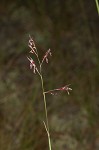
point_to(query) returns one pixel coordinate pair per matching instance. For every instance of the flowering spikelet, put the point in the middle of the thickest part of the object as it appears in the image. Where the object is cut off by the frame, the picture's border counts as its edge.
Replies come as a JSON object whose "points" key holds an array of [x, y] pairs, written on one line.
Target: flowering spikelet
{"points": [[32, 64], [32, 46], [45, 58]]}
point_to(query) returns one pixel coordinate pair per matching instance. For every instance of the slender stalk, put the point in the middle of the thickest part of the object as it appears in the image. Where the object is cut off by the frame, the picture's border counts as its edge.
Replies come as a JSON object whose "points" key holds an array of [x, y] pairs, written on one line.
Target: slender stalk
{"points": [[46, 114], [39, 71]]}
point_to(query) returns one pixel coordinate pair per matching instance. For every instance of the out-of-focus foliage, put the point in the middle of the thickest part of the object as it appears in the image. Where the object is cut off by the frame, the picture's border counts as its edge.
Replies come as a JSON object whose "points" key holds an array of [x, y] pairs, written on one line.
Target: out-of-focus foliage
{"points": [[97, 6], [70, 28]]}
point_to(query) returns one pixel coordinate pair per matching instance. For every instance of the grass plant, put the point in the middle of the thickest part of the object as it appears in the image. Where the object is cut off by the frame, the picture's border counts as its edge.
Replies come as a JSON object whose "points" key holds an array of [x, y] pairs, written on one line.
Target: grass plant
{"points": [[38, 70]]}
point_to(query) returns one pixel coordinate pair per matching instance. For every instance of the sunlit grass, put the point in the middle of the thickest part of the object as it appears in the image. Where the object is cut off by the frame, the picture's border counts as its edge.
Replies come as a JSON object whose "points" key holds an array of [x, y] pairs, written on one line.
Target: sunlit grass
{"points": [[97, 5]]}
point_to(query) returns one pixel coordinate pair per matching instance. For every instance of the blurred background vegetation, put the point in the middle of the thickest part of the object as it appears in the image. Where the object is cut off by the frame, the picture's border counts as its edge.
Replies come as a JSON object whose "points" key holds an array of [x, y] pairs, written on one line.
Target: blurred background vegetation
{"points": [[71, 29]]}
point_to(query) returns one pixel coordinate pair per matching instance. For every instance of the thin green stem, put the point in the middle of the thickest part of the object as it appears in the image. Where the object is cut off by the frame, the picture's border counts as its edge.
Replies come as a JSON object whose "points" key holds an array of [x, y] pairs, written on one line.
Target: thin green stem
{"points": [[46, 114], [97, 5], [46, 125]]}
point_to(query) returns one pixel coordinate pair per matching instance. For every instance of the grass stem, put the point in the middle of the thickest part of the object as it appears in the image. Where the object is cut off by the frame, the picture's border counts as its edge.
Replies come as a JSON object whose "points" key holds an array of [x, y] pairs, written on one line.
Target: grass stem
{"points": [[97, 5], [46, 125]]}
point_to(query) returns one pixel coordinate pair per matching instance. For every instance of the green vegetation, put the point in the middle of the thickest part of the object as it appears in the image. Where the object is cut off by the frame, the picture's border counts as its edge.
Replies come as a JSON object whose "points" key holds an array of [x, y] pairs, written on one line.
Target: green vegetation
{"points": [[97, 5]]}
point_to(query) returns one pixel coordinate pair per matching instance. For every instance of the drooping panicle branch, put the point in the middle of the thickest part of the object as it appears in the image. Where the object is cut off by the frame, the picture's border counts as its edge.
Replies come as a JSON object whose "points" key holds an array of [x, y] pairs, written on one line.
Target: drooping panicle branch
{"points": [[64, 88]]}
